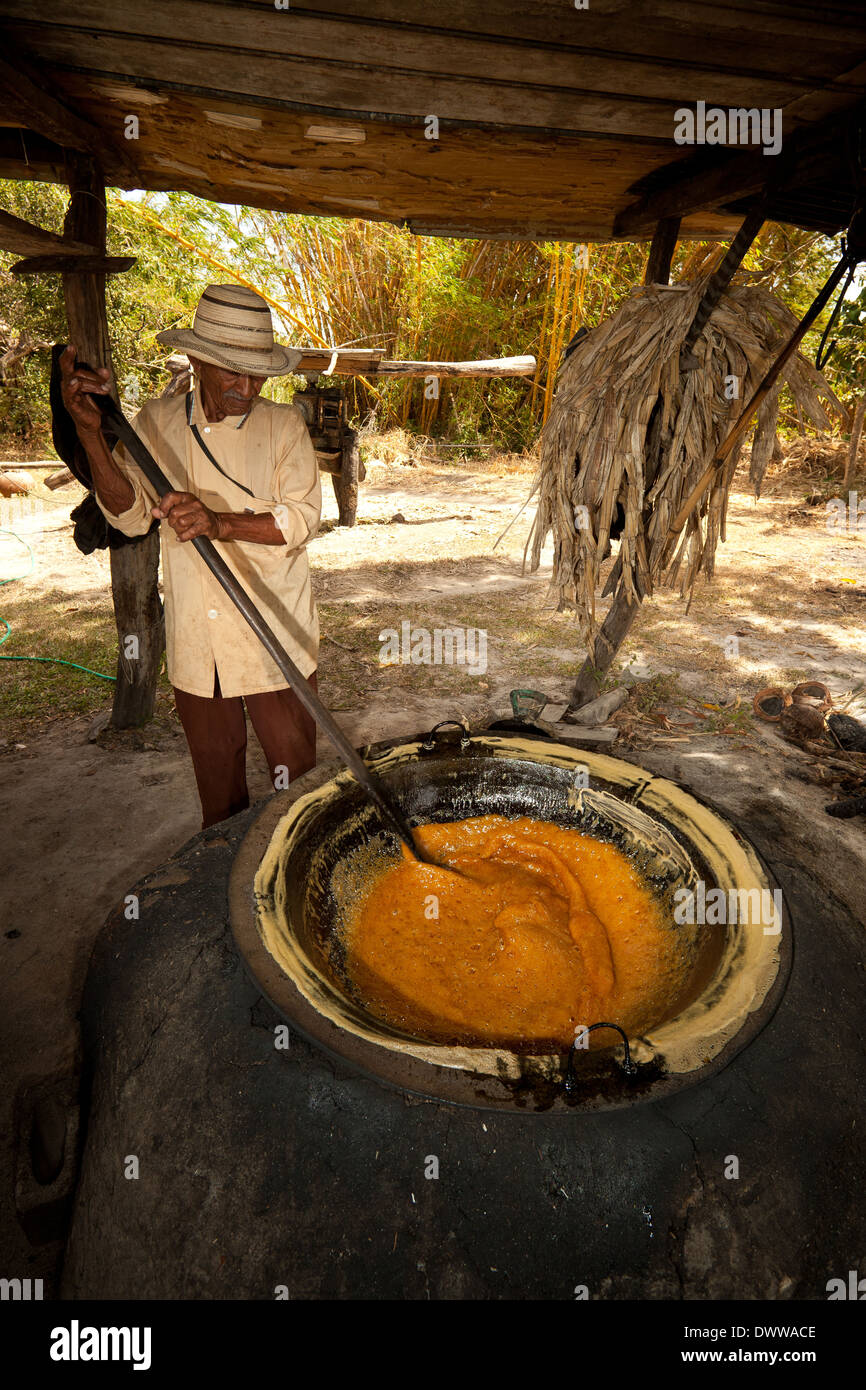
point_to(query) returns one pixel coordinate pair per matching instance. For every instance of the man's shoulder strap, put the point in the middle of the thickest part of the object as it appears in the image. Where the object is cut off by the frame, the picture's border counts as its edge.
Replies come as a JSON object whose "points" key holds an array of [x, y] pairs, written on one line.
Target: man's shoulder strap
{"points": [[206, 451]]}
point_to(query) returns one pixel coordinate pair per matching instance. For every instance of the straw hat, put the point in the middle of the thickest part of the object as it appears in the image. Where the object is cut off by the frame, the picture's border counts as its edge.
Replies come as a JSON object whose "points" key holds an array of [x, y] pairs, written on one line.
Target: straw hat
{"points": [[232, 328]]}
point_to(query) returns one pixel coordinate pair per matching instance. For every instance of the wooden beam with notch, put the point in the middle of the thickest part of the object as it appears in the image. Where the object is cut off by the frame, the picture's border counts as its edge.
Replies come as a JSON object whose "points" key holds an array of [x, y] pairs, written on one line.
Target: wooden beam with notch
{"points": [[26, 239], [73, 265]]}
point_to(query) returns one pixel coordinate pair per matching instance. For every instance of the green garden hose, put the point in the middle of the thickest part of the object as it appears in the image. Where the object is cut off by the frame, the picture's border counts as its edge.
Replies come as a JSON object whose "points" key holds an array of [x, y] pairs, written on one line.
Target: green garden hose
{"points": [[50, 660]]}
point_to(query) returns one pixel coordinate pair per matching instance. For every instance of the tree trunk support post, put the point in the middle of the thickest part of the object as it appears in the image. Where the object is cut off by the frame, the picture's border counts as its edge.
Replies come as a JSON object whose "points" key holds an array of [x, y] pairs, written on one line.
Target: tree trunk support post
{"points": [[134, 568], [623, 609], [661, 255], [854, 444], [347, 480]]}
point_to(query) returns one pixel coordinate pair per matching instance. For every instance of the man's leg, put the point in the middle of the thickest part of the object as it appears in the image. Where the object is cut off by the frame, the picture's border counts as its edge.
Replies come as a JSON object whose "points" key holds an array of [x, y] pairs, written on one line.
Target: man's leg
{"points": [[285, 731], [216, 732]]}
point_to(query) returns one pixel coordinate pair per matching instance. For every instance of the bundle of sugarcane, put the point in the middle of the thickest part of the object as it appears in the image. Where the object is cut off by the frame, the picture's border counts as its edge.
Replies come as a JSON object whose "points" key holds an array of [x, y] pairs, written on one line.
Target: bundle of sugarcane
{"points": [[630, 434]]}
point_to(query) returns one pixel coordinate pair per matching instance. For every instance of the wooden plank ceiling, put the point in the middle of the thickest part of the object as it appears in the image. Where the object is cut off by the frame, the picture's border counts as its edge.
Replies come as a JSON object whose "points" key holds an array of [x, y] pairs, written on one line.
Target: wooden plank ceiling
{"points": [[554, 122]]}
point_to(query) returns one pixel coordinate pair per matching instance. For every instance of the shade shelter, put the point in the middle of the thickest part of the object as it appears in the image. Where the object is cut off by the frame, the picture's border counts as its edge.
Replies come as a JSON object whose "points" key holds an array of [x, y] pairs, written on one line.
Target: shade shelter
{"points": [[548, 120], [543, 120]]}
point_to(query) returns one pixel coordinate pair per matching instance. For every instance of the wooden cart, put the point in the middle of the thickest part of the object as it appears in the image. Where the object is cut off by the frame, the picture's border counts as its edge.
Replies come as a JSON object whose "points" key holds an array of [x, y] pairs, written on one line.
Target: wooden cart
{"points": [[336, 444], [325, 408]]}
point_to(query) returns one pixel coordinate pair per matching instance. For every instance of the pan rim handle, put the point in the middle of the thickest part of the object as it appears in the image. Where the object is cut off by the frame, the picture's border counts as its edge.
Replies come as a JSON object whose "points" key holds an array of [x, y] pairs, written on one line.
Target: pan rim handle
{"points": [[430, 742]]}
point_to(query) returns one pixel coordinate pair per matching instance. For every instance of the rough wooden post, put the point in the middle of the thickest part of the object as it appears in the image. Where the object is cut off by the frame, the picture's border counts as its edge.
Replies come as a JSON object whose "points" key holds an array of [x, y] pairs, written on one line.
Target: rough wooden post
{"points": [[134, 568], [611, 634], [664, 244], [658, 272], [719, 281], [346, 481], [856, 431]]}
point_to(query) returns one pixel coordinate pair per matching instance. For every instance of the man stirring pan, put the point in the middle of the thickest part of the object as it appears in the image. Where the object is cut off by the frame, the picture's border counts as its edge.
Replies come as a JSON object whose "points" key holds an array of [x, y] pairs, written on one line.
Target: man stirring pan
{"points": [[246, 476]]}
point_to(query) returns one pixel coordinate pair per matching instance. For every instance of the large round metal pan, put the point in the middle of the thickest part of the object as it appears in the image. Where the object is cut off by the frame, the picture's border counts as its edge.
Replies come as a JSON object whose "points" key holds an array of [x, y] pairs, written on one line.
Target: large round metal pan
{"points": [[314, 845]]}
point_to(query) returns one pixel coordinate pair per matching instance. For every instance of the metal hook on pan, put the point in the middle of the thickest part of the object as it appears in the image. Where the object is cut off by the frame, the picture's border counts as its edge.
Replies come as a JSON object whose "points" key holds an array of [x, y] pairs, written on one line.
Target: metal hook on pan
{"points": [[430, 743], [628, 1065]]}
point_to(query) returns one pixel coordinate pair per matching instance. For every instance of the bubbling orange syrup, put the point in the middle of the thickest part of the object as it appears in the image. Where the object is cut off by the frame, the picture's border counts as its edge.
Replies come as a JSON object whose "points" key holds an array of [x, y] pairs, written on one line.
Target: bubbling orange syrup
{"points": [[542, 930]]}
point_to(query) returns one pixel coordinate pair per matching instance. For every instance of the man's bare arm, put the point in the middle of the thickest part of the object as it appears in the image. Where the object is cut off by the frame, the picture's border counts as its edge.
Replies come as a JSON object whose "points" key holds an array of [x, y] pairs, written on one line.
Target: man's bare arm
{"points": [[189, 517], [113, 489], [247, 526], [77, 388]]}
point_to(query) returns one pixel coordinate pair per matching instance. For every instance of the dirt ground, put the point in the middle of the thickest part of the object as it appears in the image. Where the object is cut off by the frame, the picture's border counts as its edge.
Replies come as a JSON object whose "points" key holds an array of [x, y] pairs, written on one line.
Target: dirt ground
{"points": [[87, 814]]}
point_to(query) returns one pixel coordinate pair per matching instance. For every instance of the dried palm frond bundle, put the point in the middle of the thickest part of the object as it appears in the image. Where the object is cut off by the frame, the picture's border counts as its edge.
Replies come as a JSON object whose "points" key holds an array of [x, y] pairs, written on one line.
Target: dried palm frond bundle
{"points": [[629, 437]]}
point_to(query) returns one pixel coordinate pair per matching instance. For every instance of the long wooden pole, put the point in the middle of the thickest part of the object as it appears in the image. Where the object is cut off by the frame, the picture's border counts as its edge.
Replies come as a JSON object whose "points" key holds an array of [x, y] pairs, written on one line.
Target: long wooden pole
{"points": [[719, 281], [360, 363], [854, 443], [760, 394]]}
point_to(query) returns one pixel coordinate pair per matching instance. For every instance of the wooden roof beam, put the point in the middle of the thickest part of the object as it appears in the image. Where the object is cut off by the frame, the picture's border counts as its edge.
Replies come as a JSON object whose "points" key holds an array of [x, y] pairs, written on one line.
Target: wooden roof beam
{"points": [[722, 177], [31, 106], [24, 100], [24, 155], [737, 176]]}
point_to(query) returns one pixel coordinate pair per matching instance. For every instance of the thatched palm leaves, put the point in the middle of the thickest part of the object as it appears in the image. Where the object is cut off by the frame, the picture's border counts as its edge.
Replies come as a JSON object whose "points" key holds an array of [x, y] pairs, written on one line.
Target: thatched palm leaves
{"points": [[630, 434]]}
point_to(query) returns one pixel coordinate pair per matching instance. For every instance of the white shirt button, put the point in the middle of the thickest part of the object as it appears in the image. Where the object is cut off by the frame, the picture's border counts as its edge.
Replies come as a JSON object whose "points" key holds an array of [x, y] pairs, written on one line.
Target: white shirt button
{"points": [[207, 429], [213, 613]]}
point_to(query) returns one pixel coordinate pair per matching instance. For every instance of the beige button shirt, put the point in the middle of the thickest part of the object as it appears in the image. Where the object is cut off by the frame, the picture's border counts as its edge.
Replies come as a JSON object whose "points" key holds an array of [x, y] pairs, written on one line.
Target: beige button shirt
{"points": [[271, 452]]}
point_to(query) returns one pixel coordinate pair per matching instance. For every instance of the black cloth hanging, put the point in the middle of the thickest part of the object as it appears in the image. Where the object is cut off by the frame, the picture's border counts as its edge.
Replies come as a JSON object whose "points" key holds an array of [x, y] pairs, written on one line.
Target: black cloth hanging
{"points": [[90, 530]]}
